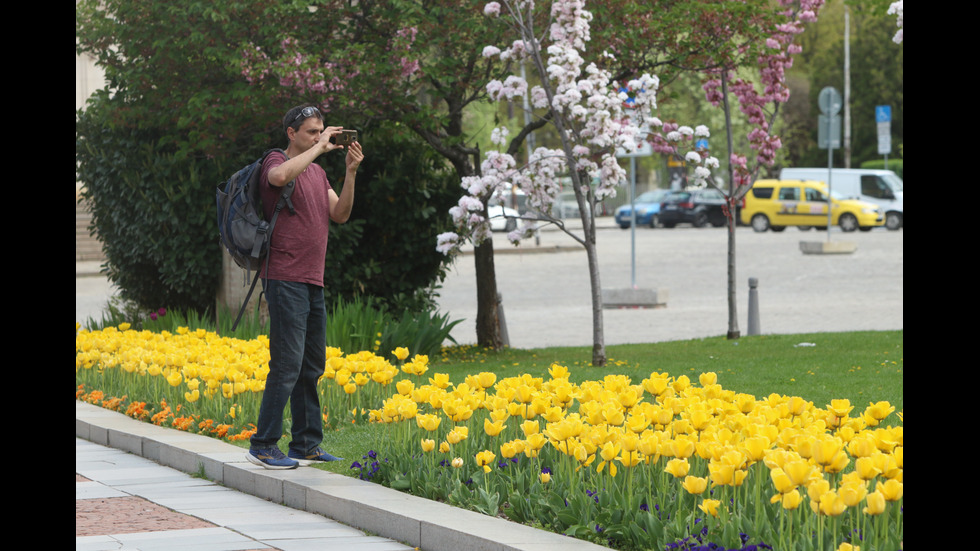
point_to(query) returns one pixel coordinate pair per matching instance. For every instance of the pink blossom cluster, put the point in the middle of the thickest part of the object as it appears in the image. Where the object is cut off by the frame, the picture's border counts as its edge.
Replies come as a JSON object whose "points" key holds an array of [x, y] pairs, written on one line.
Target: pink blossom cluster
{"points": [[402, 45], [773, 63], [295, 69]]}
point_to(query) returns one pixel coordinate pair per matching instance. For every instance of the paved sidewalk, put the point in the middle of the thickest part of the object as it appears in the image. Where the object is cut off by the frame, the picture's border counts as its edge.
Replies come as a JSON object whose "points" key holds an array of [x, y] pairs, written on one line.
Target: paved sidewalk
{"points": [[135, 494], [124, 501]]}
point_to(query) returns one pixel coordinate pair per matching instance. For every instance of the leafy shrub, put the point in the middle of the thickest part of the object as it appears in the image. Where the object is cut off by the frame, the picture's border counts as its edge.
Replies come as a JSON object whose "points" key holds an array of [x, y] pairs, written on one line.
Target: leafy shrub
{"points": [[148, 208], [365, 324]]}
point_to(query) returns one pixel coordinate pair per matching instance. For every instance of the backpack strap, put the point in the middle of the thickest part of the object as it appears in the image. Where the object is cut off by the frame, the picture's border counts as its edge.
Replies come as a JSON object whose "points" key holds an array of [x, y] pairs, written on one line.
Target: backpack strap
{"points": [[285, 200]]}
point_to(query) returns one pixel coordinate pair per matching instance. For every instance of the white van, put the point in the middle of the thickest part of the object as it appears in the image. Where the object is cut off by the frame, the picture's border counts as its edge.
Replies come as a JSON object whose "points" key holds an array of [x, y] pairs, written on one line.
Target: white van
{"points": [[881, 187]]}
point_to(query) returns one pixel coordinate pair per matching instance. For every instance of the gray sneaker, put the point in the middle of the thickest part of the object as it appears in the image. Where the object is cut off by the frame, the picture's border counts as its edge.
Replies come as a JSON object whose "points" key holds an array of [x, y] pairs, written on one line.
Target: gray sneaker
{"points": [[271, 458], [315, 456]]}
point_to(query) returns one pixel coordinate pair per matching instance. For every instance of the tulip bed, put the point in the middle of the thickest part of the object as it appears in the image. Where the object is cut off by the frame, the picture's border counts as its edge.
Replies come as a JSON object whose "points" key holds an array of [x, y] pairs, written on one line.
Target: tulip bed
{"points": [[658, 463]]}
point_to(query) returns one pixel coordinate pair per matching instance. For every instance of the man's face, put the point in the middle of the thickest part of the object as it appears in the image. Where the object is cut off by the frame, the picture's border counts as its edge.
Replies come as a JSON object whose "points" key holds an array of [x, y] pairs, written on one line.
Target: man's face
{"points": [[308, 134]]}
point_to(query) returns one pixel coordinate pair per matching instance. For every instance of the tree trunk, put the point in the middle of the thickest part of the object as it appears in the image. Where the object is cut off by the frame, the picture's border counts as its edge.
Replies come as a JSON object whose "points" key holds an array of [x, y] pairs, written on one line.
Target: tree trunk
{"points": [[487, 320], [733, 332], [598, 332]]}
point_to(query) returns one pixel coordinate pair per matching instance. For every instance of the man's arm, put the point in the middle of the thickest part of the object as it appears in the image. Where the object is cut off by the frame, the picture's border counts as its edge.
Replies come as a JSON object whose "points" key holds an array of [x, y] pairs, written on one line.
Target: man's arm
{"points": [[341, 206], [294, 166]]}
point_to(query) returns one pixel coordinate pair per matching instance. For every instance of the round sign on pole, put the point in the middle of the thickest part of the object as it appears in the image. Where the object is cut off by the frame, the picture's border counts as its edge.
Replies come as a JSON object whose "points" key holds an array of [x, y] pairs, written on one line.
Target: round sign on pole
{"points": [[830, 101]]}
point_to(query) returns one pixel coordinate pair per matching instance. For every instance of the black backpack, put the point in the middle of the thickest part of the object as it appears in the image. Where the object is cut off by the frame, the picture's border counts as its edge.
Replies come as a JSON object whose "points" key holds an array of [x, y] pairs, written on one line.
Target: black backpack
{"points": [[244, 231]]}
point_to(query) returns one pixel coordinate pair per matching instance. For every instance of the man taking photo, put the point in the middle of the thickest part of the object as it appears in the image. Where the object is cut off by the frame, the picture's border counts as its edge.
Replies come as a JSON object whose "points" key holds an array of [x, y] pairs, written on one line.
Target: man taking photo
{"points": [[293, 285]]}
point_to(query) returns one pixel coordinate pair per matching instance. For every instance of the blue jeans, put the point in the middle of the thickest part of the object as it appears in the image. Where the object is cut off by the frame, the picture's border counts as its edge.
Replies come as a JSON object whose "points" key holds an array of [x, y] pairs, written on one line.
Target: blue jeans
{"points": [[297, 349]]}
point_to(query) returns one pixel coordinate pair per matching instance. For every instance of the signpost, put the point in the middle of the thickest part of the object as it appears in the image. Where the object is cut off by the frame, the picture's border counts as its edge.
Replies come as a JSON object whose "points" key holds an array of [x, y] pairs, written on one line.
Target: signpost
{"points": [[828, 137], [634, 297], [883, 118], [830, 105]]}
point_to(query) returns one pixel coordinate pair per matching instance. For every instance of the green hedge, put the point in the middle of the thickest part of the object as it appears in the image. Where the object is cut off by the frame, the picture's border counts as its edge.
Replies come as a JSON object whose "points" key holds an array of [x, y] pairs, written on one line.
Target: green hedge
{"points": [[155, 214]]}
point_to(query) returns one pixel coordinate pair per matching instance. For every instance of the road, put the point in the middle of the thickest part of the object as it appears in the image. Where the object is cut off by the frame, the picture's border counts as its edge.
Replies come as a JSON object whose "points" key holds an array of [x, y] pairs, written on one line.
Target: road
{"points": [[546, 294]]}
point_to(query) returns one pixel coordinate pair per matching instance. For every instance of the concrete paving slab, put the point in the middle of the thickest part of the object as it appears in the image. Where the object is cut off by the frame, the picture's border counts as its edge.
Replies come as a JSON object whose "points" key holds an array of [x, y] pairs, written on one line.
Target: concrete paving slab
{"points": [[338, 512]]}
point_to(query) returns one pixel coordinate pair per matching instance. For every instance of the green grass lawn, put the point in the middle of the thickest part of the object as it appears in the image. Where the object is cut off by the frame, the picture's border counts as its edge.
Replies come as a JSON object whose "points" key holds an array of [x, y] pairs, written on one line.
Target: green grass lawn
{"points": [[862, 367]]}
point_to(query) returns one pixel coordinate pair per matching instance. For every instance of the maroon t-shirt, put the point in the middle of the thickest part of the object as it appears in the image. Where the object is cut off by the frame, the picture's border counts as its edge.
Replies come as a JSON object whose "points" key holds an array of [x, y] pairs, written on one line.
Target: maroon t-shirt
{"points": [[299, 241]]}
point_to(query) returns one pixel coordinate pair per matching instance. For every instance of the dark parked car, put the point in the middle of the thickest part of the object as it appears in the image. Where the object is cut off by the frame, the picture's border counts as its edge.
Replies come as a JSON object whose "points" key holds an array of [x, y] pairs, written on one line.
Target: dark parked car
{"points": [[699, 207]]}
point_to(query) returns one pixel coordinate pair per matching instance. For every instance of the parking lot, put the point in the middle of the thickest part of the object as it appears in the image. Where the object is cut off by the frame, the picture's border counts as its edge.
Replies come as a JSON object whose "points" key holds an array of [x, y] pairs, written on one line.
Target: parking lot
{"points": [[546, 295]]}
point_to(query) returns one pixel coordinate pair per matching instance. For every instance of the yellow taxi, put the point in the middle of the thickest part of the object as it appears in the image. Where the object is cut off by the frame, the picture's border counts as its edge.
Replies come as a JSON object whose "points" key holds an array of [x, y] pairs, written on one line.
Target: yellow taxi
{"points": [[776, 204]]}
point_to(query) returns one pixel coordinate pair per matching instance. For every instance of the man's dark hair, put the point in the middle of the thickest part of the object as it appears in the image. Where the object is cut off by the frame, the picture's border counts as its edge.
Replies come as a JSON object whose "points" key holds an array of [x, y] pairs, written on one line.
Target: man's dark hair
{"points": [[294, 117]]}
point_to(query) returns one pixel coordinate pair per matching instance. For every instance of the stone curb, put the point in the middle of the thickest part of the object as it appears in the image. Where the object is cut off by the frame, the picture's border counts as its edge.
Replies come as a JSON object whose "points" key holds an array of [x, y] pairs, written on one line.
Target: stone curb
{"points": [[419, 522]]}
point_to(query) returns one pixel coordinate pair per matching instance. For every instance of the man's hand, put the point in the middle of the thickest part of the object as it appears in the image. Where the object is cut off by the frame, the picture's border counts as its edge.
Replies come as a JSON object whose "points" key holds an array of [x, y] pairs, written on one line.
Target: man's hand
{"points": [[354, 156], [329, 132]]}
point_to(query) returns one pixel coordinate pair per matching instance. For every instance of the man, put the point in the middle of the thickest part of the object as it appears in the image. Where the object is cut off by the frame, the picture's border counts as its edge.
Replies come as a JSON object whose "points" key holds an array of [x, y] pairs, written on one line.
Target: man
{"points": [[293, 287]]}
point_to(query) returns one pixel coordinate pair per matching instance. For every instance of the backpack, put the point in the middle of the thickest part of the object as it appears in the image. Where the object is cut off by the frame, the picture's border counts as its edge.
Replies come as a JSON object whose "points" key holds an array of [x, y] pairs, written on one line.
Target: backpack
{"points": [[243, 229]]}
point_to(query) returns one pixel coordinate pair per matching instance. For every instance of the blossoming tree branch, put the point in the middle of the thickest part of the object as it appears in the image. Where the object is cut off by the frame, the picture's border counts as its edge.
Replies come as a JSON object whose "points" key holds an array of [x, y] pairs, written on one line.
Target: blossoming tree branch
{"points": [[587, 110]]}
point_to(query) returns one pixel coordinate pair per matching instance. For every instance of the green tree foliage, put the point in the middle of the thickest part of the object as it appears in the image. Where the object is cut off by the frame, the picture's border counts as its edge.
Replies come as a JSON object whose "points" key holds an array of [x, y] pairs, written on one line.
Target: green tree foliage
{"points": [[178, 117], [877, 78], [157, 233]]}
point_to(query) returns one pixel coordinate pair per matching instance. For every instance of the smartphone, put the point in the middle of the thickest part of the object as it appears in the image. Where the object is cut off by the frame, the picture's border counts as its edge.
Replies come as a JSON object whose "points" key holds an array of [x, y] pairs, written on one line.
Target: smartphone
{"points": [[346, 137]]}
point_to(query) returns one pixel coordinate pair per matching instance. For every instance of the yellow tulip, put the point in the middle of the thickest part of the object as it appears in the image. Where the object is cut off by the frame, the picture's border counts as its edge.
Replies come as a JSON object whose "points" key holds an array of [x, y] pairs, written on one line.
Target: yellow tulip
{"points": [[840, 408], [444, 447], [534, 443], [682, 447], [892, 489], [512, 448], [755, 447], [487, 379], [710, 506], [493, 428], [401, 353], [791, 500], [457, 462], [428, 445], [678, 467], [440, 380], [695, 485], [745, 402], [700, 419], [852, 493], [192, 396], [866, 468], [558, 371], [174, 378], [545, 478], [708, 378], [630, 442], [817, 488], [799, 471], [825, 449], [455, 436], [875, 503], [608, 452], [831, 504], [781, 481], [879, 411], [629, 459], [484, 459], [530, 427]]}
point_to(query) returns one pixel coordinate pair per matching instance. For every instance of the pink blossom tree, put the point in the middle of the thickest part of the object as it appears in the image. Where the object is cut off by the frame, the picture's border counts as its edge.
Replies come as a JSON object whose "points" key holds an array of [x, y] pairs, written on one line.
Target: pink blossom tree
{"points": [[759, 100]]}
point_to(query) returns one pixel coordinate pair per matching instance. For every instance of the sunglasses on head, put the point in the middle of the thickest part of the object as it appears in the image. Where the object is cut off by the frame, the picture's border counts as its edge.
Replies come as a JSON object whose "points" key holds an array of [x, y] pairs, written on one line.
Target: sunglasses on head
{"points": [[306, 113]]}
